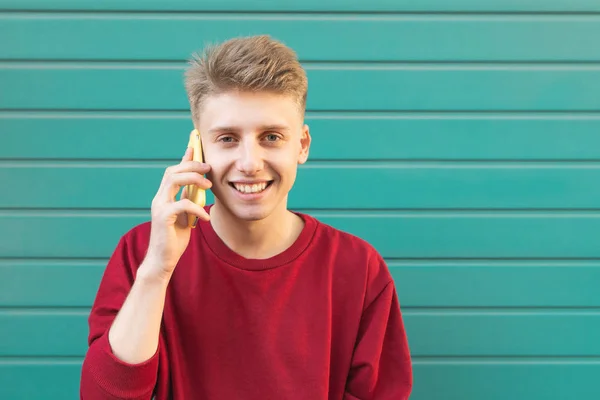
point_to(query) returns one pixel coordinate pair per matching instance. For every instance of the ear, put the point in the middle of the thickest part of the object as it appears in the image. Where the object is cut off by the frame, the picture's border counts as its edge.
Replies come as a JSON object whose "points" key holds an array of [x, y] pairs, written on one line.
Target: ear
{"points": [[305, 141]]}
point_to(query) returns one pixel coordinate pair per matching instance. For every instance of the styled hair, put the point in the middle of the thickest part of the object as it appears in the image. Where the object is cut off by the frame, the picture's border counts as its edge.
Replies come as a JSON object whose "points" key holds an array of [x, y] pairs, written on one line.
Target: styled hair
{"points": [[253, 63]]}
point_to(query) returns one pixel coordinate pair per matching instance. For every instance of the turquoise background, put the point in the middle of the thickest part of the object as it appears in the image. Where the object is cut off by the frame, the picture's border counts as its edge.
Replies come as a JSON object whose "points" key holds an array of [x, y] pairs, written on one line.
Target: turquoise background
{"points": [[461, 138]]}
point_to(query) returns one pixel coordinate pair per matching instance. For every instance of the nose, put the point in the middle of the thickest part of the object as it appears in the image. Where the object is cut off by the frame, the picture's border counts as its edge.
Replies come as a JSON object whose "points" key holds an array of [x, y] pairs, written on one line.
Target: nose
{"points": [[250, 160]]}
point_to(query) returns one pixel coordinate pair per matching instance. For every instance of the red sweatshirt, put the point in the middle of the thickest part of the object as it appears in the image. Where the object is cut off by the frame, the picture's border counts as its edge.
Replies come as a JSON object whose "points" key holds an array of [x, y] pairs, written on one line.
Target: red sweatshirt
{"points": [[319, 321]]}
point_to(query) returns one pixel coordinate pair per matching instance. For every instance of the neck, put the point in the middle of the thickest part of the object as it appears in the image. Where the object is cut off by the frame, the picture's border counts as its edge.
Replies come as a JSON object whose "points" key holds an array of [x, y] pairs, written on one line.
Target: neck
{"points": [[256, 239]]}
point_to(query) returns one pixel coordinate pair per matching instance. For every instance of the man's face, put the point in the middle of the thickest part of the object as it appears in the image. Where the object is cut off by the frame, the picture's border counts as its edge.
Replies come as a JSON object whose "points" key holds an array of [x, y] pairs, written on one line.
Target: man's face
{"points": [[253, 143]]}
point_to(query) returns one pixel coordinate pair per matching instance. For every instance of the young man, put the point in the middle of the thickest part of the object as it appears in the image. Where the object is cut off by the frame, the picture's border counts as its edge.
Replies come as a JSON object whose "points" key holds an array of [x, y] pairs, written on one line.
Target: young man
{"points": [[256, 301]]}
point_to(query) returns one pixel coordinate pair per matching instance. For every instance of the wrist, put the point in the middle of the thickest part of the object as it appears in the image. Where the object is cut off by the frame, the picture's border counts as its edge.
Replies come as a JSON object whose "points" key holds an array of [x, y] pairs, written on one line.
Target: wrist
{"points": [[151, 273]]}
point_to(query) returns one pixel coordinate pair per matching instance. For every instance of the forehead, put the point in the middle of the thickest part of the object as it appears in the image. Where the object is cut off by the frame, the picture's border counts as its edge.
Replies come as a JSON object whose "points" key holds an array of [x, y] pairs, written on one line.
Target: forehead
{"points": [[247, 110]]}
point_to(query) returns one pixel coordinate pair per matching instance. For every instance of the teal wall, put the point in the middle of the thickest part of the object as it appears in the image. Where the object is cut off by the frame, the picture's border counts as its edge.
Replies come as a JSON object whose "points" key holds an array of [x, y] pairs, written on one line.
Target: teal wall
{"points": [[461, 138]]}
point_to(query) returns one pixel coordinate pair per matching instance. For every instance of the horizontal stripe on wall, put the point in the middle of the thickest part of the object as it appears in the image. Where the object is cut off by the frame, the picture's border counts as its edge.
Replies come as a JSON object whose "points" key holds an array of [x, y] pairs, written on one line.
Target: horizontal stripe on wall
{"points": [[341, 136], [311, 5], [363, 87], [420, 284], [392, 185], [93, 234], [555, 380], [326, 37], [433, 334]]}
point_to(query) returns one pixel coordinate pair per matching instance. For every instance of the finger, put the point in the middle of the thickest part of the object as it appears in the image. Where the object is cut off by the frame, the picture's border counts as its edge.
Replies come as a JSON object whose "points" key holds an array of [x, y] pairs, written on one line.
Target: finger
{"points": [[176, 181], [167, 190], [184, 193], [189, 166], [185, 207], [188, 155]]}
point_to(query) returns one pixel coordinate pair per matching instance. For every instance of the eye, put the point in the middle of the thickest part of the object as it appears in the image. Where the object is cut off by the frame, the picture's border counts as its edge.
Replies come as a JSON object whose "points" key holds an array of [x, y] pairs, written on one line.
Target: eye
{"points": [[226, 139], [271, 137]]}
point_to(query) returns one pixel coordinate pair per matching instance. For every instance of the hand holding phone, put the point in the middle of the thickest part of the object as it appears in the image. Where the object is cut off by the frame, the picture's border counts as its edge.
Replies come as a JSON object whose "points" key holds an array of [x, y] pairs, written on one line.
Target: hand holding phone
{"points": [[172, 219]]}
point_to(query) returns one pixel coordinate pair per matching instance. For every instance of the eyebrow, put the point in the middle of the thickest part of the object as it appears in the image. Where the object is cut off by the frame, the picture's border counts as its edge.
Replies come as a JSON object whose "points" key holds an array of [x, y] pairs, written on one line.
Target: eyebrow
{"points": [[274, 128], [262, 128]]}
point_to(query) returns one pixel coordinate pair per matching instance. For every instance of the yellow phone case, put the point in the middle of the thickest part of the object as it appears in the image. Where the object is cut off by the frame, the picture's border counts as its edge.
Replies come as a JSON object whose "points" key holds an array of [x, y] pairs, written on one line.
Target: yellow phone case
{"points": [[194, 193]]}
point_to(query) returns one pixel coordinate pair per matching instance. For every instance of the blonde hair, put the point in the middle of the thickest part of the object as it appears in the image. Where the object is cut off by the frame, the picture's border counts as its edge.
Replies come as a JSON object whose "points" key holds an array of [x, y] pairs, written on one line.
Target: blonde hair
{"points": [[253, 63]]}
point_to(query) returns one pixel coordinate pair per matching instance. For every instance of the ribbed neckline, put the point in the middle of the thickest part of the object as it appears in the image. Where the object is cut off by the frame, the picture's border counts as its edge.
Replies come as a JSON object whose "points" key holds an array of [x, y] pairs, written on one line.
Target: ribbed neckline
{"points": [[223, 252]]}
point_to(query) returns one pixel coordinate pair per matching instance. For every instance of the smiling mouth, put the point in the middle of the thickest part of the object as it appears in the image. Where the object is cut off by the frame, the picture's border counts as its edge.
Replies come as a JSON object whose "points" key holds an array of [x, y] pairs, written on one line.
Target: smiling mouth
{"points": [[250, 188]]}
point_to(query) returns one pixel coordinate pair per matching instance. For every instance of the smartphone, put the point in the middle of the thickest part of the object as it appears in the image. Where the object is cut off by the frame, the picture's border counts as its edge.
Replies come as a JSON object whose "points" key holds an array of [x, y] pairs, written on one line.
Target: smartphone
{"points": [[194, 193]]}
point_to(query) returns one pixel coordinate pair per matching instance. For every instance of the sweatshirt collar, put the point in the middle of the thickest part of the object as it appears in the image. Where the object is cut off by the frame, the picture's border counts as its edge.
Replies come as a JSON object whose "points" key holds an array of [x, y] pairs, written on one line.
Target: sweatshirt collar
{"points": [[222, 251]]}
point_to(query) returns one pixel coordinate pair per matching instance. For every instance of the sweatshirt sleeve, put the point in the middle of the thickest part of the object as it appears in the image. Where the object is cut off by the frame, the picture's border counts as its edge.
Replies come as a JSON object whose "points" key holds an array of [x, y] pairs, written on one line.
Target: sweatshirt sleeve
{"points": [[381, 364], [103, 375]]}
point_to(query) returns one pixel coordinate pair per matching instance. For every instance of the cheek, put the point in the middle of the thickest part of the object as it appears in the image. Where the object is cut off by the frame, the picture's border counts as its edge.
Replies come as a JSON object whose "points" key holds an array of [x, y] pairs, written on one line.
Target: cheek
{"points": [[287, 168], [215, 174]]}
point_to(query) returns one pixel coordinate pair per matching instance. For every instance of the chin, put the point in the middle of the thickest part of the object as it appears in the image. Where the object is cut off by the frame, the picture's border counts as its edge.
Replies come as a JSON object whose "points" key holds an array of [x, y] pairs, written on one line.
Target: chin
{"points": [[247, 212]]}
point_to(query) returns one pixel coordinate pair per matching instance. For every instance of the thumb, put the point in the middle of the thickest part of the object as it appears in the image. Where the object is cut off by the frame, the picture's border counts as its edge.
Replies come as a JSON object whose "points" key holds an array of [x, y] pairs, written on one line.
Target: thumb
{"points": [[184, 193], [182, 217]]}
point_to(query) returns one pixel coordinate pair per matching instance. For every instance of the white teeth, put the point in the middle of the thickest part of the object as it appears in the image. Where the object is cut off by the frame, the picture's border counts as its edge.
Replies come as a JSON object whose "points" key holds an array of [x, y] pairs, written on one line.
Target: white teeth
{"points": [[255, 188]]}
